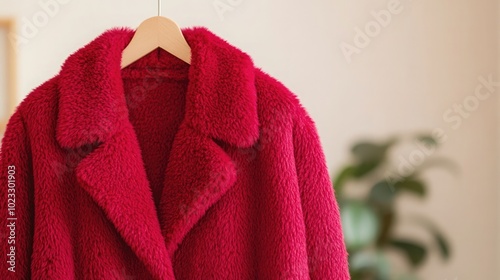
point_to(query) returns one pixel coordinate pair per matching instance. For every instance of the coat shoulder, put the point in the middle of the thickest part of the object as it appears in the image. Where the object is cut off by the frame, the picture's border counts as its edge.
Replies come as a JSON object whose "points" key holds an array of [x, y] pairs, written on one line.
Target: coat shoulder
{"points": [[30, 116], [275, 100], [39, 107]]}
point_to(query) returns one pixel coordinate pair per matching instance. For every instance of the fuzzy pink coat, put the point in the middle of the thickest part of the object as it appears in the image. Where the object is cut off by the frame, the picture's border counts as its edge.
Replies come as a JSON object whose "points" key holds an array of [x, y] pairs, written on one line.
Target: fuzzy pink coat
{"points": [[166, 171]]}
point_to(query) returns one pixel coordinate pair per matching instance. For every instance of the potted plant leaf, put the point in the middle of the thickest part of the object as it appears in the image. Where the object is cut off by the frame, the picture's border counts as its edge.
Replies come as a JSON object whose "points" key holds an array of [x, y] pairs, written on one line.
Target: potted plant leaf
{"points": [[369, 220]]}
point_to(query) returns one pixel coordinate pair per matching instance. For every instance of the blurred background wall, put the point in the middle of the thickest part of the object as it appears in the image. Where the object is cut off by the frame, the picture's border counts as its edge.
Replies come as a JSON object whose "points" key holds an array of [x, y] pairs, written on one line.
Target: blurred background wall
{"points": [[363, 69]]}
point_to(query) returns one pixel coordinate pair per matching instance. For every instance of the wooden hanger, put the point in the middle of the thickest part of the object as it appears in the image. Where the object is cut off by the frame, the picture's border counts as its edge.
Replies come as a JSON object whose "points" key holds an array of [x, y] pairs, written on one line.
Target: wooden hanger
{"points": [[153, 33]]}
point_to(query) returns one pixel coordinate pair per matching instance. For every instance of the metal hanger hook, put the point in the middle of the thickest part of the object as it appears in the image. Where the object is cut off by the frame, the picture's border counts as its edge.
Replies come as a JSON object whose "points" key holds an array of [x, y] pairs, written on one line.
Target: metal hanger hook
{"points": [[159, 7]]}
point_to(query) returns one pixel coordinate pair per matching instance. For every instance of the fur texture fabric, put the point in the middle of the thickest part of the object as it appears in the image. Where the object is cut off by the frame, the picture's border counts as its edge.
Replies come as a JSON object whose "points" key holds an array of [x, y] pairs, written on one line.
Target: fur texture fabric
{"points": [[166, 171]]}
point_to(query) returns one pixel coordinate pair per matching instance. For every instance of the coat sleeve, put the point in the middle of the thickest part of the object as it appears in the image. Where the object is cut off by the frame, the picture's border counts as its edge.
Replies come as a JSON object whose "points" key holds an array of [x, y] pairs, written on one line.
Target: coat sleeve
{"points": [[16, 201], [327, 255]]}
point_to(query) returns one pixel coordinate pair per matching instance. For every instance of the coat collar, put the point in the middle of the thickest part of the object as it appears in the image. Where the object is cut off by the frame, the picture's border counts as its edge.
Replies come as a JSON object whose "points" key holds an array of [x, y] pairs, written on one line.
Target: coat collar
{"points": [[221, 104], [92, 106]]}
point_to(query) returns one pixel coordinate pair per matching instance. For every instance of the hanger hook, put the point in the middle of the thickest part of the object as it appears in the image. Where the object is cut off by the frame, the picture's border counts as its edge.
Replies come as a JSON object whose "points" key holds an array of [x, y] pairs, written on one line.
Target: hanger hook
{"points": [[159, 7]]}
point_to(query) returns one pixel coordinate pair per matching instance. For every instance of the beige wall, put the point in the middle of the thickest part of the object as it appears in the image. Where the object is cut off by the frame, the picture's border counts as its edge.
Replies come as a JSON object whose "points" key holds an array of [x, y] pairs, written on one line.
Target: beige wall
{"points": [[498, 135], [426, 59]]}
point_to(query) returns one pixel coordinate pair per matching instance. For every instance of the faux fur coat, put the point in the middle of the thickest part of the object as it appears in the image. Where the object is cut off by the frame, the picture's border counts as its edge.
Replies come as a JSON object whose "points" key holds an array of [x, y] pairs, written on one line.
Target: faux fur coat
{"points": [[166, 171]]}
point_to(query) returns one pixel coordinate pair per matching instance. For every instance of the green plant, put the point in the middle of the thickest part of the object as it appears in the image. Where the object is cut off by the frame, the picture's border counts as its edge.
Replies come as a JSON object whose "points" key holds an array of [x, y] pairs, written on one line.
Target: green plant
{"points": [[369, 220]]}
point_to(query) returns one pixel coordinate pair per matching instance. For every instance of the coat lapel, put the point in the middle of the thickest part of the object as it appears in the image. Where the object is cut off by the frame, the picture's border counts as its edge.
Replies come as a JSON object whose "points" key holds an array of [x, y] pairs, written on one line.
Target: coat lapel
{"points": [[114, 176], [192, 186]]}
